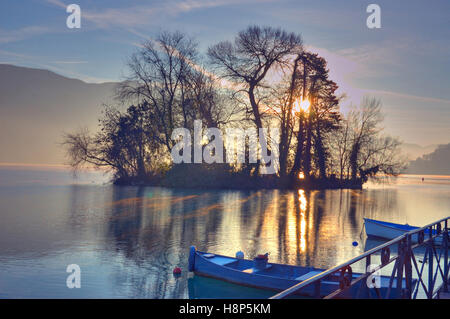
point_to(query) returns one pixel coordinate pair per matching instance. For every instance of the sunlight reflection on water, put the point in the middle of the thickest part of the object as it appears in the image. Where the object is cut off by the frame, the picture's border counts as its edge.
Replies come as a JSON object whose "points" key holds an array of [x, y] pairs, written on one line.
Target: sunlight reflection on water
{"points": [[127, 240]]}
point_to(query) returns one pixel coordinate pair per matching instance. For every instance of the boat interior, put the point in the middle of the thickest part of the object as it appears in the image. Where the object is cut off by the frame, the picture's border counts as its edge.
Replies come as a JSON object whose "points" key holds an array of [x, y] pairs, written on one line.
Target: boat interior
{"points": [[276, 270]]}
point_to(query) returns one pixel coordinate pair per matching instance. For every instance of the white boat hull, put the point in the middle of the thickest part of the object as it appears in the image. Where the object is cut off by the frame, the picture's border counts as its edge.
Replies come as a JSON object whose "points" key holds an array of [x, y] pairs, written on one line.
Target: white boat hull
{"points": [[381, 230]]}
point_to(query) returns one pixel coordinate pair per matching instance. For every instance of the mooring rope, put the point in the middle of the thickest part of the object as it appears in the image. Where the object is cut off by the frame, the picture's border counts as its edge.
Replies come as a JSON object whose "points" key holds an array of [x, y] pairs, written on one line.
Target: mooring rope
{"points": [[362, 230]]}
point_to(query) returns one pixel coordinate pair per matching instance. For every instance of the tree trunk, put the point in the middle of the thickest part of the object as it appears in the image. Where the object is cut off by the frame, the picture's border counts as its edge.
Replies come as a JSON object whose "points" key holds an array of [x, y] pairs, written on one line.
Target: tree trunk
{"points": [[287, 118], [354, 161], [299, 151], [255, 107], [320, 153], [258, 121], [307, 152]]}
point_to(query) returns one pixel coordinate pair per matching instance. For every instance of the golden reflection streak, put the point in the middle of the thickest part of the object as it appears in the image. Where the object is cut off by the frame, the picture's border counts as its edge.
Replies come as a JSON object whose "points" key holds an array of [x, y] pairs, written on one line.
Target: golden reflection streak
{"points": [[291, 240], [303, 203], [270, 220]]}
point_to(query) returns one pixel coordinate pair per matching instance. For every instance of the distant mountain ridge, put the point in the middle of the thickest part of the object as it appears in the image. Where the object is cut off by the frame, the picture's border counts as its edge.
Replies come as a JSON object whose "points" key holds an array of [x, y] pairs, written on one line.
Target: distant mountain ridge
{"points": [[437, 162], [414, 151], [37, 106]]}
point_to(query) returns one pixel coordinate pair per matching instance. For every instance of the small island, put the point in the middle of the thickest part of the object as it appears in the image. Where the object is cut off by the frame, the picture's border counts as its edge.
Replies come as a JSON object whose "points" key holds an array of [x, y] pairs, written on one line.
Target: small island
{"points": [[265, 81]]}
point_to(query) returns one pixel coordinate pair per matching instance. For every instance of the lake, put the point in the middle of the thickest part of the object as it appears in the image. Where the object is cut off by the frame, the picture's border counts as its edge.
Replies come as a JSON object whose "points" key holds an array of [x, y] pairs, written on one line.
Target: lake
{"points": [[127, 240]]}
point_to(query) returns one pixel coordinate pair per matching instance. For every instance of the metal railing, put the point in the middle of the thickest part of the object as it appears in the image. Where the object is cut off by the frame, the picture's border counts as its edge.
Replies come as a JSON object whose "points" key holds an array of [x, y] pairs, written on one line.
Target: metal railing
{"points": [[406, 264]]}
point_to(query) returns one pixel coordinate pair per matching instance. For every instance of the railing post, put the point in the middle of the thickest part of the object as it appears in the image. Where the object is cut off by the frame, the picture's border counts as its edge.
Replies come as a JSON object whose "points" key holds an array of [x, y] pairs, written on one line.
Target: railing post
{"points": [[408, 266], [445, 242], [401, 262], [368, 270], [368, 263], [430, 264], [317, 289]]}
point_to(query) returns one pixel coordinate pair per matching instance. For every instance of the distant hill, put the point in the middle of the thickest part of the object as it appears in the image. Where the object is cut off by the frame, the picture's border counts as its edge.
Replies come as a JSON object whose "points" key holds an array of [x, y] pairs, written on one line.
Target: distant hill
{"points": [[37, 106], [414, 151], [437, 162]]}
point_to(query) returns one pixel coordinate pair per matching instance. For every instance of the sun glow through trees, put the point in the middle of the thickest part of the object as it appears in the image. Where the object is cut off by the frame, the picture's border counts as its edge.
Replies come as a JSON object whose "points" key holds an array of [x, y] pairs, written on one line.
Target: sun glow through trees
{"points": [[301, 106]]}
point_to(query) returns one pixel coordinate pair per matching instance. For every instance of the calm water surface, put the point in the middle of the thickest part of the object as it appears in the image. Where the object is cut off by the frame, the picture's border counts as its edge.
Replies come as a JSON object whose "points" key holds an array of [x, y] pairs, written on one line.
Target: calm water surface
{"points": [[127, 240]]}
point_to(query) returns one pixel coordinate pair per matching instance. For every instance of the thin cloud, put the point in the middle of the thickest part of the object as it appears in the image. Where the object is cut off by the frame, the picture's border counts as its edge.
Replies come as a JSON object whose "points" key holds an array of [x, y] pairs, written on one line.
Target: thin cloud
{"points": [[57, 3], [140, 15], [143, 15], [7, 36], [388, 53], [70, 62], [345, 64], [412, 97]]}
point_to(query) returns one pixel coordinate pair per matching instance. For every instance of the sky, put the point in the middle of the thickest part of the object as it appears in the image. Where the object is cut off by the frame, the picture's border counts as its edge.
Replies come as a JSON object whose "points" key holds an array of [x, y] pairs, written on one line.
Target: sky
{"points": [[405, 63]]}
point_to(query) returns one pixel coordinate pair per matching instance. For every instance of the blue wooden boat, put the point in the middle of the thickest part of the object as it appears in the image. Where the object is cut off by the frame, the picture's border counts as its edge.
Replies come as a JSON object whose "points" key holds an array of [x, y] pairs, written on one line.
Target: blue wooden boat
{"points": [[259, 273], [386, 230]]}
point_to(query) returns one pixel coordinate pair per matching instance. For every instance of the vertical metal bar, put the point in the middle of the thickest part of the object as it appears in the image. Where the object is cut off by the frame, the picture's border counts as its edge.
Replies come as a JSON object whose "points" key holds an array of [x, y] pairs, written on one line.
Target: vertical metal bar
{"points": [[317, 289], [445, 255], [363, 285], [430, 264], [408, 267], [391, 279], [401, 261]]}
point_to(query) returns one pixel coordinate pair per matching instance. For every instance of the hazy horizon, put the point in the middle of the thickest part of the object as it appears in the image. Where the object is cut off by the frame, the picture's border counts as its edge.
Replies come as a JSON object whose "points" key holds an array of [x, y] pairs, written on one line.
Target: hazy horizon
{"points": [[405, 63], [49, 136]]}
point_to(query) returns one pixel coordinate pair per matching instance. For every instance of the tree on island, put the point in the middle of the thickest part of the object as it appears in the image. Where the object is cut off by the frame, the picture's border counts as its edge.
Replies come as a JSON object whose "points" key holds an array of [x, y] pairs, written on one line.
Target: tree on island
{"points": [[361, 149], [263, 78]]}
